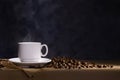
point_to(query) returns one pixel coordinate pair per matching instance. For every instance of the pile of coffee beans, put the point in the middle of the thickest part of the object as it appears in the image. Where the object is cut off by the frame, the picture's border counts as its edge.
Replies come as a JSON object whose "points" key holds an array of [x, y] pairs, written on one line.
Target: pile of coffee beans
{"points": [[69, 63]]}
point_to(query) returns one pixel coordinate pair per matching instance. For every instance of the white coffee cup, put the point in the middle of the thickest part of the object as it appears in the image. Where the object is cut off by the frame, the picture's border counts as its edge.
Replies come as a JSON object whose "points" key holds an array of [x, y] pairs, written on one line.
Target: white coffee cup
{"points": [[31, 51]]}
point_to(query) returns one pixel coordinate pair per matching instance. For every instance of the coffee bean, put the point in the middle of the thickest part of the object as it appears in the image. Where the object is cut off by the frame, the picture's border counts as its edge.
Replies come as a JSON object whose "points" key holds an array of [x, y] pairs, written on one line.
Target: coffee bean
{"points": [[69, 64], [98, 66], [104, 66], [79, 67], [111, 66], [86, 66], [82, 66], [90, 65], [79, 63]]}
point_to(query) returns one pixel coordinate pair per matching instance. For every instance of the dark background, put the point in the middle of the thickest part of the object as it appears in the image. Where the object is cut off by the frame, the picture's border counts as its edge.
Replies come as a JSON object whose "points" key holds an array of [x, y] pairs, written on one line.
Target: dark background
{"points": [[84, 29]]}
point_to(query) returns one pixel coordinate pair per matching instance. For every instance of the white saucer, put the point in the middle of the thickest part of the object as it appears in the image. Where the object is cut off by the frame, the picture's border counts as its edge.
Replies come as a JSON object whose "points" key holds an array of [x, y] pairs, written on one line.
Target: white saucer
{"points": [[39, 63]]}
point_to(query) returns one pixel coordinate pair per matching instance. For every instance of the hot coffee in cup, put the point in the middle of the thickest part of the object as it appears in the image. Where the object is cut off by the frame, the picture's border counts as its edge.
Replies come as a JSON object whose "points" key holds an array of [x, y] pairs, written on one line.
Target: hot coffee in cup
{"points": [[31, 51]]}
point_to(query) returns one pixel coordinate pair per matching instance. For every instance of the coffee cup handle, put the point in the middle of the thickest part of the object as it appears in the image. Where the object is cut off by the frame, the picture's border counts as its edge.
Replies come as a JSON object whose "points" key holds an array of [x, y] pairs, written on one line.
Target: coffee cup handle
{"points": [[44, 45]]}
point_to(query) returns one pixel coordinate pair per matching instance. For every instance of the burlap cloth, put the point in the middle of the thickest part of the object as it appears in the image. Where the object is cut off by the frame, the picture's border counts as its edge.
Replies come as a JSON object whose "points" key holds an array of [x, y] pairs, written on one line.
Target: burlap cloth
{"points": [[9, 71]]}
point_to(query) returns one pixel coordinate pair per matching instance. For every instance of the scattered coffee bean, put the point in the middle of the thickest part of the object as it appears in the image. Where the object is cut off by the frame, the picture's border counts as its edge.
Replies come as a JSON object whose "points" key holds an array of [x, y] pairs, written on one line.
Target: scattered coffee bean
{"points": [[111, 66], [90, 65], [104, 66], [99, 66], [82, 66]]}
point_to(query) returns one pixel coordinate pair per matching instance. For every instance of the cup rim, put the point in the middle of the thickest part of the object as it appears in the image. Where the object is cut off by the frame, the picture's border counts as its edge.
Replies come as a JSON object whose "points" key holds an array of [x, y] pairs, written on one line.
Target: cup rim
{"points": [[29, 43]]}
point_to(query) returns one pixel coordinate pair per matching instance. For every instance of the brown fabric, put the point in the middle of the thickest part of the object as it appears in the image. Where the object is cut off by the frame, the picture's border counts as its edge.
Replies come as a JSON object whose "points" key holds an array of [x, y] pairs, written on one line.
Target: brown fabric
{"points": [[7, 64]]}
